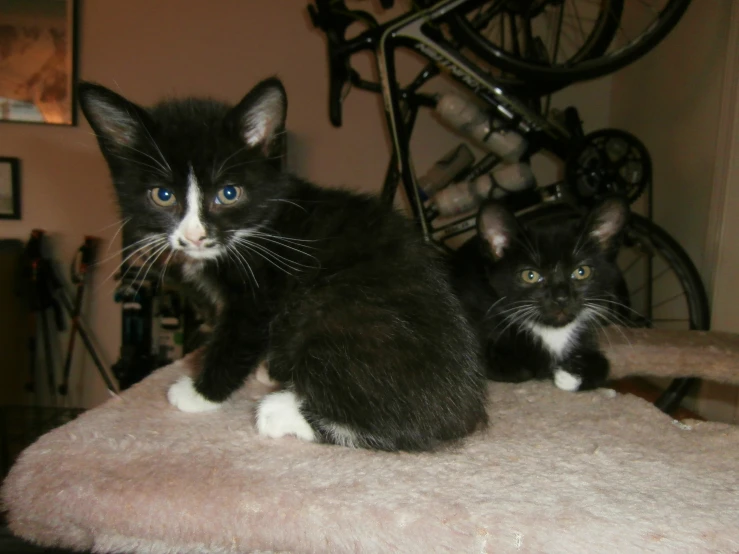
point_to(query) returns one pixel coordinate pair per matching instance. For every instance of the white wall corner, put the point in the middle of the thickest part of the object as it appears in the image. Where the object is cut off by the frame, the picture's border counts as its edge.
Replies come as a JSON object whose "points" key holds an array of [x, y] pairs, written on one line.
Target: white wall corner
{"points": [[726, 168]]}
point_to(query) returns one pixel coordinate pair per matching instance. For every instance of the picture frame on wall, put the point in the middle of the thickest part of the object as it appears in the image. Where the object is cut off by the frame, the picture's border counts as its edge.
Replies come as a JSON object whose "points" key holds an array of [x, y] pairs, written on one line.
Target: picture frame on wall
{"points": [[38, 65], [10, 188]]}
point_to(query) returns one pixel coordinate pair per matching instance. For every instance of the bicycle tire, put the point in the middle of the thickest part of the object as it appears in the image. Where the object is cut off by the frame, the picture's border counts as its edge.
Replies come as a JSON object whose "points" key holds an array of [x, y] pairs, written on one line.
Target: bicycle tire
{"points": [[586, 67], [652, 236]]}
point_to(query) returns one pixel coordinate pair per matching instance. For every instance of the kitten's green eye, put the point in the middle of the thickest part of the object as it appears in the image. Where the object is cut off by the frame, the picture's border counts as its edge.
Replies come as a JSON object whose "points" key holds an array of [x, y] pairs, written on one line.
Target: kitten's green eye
{"points": [[530, 276], [162, 197], [581, 273], [229, 195]]}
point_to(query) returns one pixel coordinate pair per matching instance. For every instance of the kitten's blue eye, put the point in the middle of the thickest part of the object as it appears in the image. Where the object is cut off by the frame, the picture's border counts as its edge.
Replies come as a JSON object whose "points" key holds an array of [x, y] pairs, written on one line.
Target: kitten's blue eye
{"points": [[228, 195], [530, 276], [162, 197], [582, 272]]}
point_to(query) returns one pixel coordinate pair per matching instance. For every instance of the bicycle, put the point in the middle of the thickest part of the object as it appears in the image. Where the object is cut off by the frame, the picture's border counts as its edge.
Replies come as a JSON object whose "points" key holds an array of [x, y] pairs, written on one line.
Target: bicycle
{"points": [[441, 33]]}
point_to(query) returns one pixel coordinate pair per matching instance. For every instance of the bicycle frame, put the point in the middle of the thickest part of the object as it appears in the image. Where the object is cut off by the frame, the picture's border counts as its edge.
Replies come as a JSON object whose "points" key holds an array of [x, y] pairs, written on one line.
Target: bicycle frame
{"points": [[415, 31]]}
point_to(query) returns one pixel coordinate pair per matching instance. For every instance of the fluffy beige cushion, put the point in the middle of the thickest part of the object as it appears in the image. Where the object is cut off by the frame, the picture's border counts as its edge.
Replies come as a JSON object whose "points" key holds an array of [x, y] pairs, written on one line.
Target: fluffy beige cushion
{"points": [[555, 472]]}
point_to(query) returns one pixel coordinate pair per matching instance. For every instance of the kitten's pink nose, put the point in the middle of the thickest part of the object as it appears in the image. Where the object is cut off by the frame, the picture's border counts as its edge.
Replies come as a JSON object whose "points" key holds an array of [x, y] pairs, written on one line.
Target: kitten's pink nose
{"points": [[196, 239]]}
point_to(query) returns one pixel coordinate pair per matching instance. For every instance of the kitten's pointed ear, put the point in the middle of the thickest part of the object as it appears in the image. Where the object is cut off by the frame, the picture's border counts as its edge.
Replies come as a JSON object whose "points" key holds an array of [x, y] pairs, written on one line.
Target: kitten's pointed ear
{"points": [[117, 122], [606, 221], [260, 116], [498, 228]]}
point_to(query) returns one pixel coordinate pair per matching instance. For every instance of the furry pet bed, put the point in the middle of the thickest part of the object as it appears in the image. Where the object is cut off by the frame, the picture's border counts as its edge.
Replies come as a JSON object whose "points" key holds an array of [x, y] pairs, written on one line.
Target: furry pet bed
{"points": [[554, 472]]}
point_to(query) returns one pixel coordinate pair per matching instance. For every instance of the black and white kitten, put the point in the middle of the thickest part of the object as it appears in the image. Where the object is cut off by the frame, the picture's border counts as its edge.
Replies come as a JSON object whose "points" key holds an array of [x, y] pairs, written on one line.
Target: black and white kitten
{"points": [[538, 294], [352, 312]]}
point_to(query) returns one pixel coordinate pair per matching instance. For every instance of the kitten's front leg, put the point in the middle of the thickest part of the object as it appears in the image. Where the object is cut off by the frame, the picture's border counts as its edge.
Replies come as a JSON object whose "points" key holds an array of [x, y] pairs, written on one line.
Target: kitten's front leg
{"points": [[583, 370], [232, 353], [522, 364]]}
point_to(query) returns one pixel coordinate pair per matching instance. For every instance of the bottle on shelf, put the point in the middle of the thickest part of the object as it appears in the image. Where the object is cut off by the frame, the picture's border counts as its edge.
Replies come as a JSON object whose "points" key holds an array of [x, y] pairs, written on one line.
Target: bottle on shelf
{"points": [[448, 168], [465, 116], [465, 196]]}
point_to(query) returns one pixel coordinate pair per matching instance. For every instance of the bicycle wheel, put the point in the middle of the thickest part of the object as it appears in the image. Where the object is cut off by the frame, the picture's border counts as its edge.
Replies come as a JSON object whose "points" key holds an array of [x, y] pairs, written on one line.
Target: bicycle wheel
{"points": [[563, 40], [661, 285]]}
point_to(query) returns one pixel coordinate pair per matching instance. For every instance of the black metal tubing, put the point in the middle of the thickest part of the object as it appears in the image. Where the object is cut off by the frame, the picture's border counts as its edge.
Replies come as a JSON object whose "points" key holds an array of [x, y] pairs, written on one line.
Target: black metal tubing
{"points": [[414, 31]]}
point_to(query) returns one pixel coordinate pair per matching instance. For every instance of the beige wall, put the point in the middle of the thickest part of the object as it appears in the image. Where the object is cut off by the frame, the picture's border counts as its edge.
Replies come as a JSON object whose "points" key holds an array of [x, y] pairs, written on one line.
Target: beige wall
{"points": [[148, 49], [671, 100]]}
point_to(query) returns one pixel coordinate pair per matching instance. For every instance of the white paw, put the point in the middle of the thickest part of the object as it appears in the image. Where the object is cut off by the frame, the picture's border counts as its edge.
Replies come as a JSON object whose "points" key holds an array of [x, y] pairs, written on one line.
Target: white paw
{"points": [[183, 396], [566, 381], [279, 415]]}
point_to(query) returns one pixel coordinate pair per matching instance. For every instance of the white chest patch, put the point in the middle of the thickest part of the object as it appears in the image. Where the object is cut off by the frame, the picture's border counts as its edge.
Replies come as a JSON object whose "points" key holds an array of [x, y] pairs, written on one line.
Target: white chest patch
{"points": [[556, 339], [192, 271]]}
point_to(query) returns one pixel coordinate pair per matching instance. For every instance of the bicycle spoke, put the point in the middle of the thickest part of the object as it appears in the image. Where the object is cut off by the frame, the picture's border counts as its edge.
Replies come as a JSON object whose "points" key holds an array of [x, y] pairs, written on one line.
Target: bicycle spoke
{"points": [[654, 280], [668, 300], [579, 22], [650, 6], [558, 34], [632, 264], [667, 320], [483, 18], [528, 38]]}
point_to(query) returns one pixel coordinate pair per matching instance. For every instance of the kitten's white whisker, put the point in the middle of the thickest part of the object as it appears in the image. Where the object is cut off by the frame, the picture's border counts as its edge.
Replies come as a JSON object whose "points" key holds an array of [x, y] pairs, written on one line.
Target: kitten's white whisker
{"points": [[515, 308], [143, 251], [283, 245], [117, 253], [618, 304], [239, 266], [248, 267], [164, 270], [243, 269], [117, 222], [158, 169], [154, 242], [143, 265], [490, 309], [269, 232], [275, 235], [608, 317], [599, 329], [528, 246], [156, 256], [517, 305], [276, 259], [287, 261], [618, 328], [292, 264], [123, 223], [288, 202], [163, 161], [250, 248], [217, 174], [615, 317], [515, 318], [529, 321], [244, 163]]}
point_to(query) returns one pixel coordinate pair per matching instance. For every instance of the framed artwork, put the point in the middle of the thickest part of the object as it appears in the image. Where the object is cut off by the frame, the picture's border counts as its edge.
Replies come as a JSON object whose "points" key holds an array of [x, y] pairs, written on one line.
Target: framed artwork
{"points": [[38, 65], [10, 188]]}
